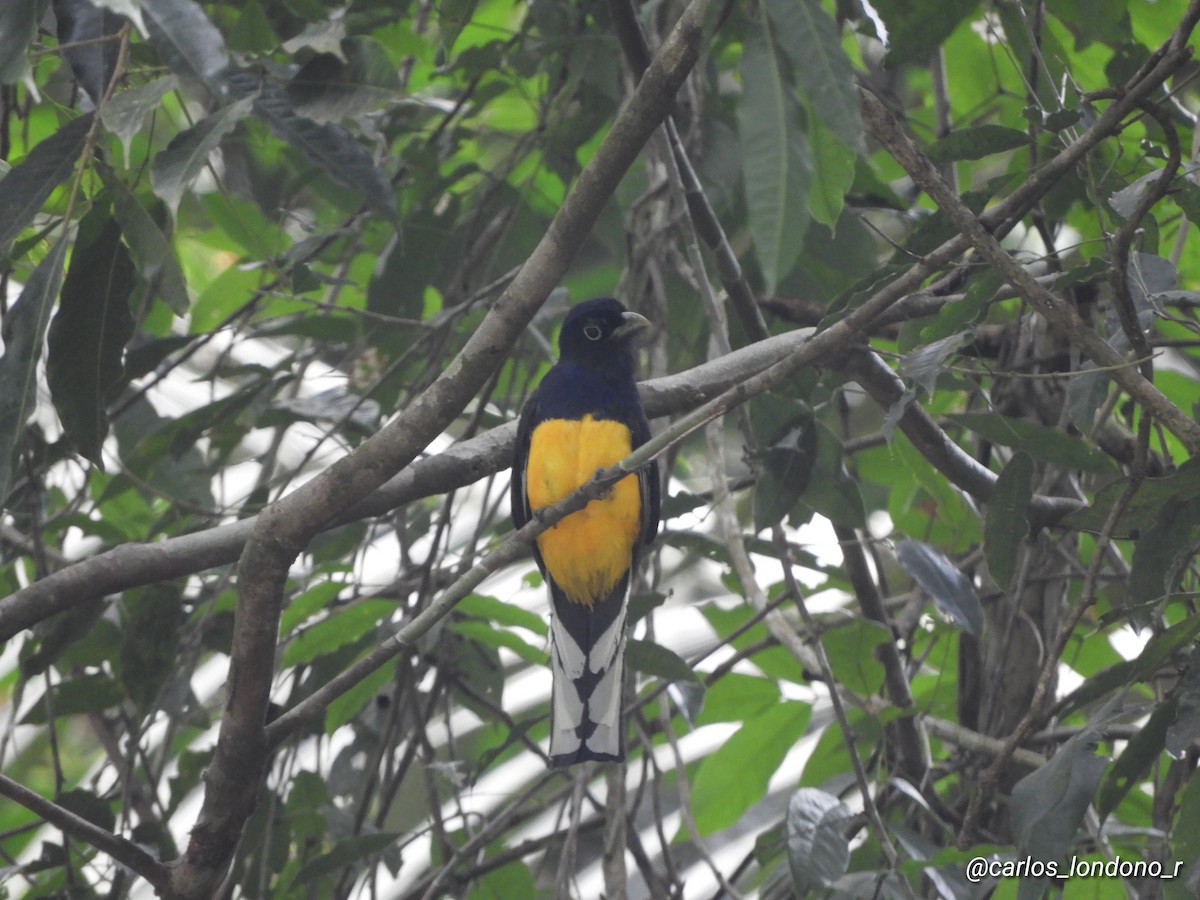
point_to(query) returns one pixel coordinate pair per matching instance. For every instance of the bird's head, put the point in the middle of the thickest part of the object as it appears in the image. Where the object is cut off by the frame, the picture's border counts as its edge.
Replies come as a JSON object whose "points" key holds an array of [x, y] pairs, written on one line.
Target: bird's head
{"points": [[598, 331]]}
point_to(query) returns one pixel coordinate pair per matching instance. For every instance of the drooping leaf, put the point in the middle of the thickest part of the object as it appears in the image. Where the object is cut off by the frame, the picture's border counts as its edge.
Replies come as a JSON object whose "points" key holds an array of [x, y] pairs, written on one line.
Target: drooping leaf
{"points": [[152, 252], [1163, 550], [342, 627], [775, 165], [851, 652], [1048, 804], [124, 114], [654, 659], [1006, 523], [818, 851], [151, 625], [808, 36], [735, 776], [25, 188], [1144, 508], [976, 143], [832, 492], [915, 28], [1040, 441], [89, 333], [87, 35], [83, 694], [347, 852], [924, 364], [18, 24], [1141, 752], [950, 589], [24, 329], [329, 147], [1154, 655], [177, 166], [329, 88], [186, 39], [786, 469]]}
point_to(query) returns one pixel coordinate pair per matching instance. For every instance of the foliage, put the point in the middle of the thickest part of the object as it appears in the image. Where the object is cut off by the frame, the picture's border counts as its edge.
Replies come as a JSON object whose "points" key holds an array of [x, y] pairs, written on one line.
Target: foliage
{"points": [[276, 285]]}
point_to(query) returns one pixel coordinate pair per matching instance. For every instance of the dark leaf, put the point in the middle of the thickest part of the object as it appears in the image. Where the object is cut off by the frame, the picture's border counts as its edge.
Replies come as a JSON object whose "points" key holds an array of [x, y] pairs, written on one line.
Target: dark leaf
{"points": [[1140, 754], [818, 852], [786, 470], [976, 143], [329, 147], [124, 114], [25, 188], [1006, 523], [1163, 551], [89, 333], [1042, 442], [345, 853], [151, 620], [85, 694], [24, 328], [775, 165], [186, 39], [654, 659], [924, 364], [1048, 805], [88, 806], [175, 168], [151, 249], [941, 579], [87, 36], [329, 88], [18, 24], [916, 27], [808, 36]]}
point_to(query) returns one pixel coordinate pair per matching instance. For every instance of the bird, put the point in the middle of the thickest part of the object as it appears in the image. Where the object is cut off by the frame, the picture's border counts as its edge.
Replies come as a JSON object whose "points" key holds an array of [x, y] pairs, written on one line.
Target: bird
{"points": [[586, 415]]}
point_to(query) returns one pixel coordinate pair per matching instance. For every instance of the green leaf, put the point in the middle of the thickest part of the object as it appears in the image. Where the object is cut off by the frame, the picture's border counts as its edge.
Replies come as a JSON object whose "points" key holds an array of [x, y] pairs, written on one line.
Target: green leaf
{"points": [[1164, 550], [1048, 805], [833, 166], [177, 166], [735, 697], [152, 252], [808, 37], [940, 578], [89, 333], [734, 777], [1042, 442], [818, 852], [18, 25], [1145, 507], [654, 659], [29, 183], [88, 806], [347, 705], [489, 634], [1154, 655], [124, 114], [1139, 756], [1006, 523], [24, 328], [494, 610], [345, 853], [328, 147], [786, 470], [85, 694], [915, 28], [831, 491], [775, 164], [976, 143], [185, 38], [851, 652], [151, 625], [343, 626]]}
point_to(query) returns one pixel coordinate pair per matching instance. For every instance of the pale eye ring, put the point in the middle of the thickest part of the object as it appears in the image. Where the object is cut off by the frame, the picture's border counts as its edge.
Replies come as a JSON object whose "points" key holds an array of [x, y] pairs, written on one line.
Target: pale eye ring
{"points": [[592, 332]]}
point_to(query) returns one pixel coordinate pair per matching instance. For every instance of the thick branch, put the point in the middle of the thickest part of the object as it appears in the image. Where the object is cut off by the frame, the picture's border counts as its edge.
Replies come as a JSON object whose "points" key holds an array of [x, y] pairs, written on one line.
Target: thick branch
{"points": [[283, 530]]}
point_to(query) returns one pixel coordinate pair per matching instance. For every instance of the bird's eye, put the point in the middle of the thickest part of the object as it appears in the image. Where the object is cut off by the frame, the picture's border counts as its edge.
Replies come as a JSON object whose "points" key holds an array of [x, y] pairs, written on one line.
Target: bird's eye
{"points": [[592, 332]]}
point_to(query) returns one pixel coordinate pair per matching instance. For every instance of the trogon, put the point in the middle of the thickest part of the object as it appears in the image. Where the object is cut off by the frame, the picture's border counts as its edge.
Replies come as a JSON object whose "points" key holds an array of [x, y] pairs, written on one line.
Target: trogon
{"points": [[586, 415]]}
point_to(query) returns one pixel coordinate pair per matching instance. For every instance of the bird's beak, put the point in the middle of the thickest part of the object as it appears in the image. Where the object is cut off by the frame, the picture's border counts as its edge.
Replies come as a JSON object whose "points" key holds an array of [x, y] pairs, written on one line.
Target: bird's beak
{"points": [[631, 323]]}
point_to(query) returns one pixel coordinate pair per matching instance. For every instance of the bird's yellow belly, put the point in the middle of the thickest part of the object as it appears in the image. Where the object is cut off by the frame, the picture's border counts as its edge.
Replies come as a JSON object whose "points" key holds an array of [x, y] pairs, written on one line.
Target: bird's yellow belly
{"points": [[587, 552]]}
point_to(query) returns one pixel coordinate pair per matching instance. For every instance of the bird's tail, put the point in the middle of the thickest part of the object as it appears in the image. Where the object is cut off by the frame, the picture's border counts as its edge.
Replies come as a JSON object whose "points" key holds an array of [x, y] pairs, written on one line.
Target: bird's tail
{"points": [[588, 662]]}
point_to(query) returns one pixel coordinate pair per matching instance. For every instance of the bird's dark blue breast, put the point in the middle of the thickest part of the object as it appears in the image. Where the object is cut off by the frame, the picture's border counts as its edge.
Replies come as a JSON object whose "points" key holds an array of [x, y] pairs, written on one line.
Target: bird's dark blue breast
{"points": [[571, 392]]}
